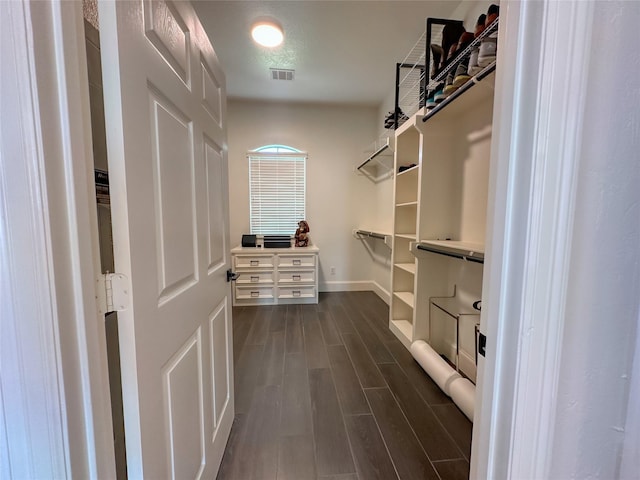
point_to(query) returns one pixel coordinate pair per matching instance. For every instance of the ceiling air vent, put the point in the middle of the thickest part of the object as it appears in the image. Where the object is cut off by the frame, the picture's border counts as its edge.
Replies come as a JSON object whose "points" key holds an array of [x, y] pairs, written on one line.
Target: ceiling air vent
{"points": [[281, 74]]}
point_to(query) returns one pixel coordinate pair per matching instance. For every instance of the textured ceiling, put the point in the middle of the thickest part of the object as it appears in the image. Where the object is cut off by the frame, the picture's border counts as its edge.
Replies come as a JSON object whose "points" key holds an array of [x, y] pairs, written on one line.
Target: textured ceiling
{"points": [[342, 51]]}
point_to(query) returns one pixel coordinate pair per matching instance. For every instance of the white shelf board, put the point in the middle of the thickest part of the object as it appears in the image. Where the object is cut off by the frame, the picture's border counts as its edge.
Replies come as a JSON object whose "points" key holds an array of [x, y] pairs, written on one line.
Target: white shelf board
{"points": [[406, 297], [407, 267], [460, 102], [409, 172], [408, 236], [411, 122], [407, 204], [404, 327]]}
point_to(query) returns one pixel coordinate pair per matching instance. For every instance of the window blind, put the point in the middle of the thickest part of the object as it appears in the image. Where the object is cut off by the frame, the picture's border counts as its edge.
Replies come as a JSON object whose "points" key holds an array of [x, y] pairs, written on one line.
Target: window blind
{"points": [[277, 184]]}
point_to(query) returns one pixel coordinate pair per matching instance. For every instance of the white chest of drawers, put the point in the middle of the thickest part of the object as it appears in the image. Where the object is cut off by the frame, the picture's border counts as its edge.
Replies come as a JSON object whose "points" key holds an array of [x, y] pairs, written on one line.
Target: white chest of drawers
{"points": [[270, 276]]}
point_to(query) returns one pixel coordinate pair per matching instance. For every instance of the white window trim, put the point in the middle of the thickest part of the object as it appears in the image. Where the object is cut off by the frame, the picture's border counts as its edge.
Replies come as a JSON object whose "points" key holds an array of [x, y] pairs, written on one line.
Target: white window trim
{"points": [[277, 152]]}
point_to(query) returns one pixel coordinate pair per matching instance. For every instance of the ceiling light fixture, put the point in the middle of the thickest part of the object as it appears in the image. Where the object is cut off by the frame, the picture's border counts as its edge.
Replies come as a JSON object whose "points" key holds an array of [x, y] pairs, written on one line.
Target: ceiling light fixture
{"points": [[267, 33]]}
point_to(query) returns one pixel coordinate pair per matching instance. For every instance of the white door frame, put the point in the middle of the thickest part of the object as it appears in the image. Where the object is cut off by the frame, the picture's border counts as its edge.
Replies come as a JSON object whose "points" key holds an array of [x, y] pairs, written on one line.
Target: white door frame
{"points": [[54, 388], [540, 96], [50, 326]]}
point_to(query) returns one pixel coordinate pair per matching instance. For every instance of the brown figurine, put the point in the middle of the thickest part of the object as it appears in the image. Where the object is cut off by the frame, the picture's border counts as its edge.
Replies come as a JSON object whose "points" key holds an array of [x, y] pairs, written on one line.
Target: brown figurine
{"points": [[302, 239]]}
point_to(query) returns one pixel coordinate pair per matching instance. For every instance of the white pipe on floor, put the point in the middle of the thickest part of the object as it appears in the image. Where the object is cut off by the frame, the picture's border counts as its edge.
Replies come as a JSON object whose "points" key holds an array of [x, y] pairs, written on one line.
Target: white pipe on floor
{"points": [[463, 394], [434, 365], [461, 390]]}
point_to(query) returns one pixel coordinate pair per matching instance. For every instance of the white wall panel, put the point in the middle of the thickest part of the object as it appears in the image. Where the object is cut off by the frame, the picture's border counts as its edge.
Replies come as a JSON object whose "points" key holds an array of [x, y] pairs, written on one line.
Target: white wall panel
{"points": [[338, 199], [182, 378], [174, 189]]}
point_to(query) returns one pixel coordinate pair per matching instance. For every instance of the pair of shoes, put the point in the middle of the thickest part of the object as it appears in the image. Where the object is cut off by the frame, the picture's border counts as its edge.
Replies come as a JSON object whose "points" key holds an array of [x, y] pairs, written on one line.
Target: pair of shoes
{"points": [[435, 96], [431, 101], [458, 76], [443, 53], [489, 45], [390, 118], [473, 58]]}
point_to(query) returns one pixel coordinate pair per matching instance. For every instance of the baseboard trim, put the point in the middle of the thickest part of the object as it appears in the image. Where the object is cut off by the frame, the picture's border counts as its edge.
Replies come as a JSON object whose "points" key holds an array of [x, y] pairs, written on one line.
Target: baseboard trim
{"points": [[344, 286], [356, 286], [382, 293]]}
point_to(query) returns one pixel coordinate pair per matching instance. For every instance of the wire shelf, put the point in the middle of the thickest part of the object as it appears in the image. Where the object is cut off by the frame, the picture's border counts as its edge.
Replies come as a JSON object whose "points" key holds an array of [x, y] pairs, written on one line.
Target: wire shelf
{"points": [[441, 75], [378, 163], [410, 81]]}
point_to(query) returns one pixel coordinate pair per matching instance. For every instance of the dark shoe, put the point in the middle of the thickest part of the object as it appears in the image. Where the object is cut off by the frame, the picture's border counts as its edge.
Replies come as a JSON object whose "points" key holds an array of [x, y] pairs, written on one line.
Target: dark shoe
{"points": [[439, 95], [449, 88], [480, 25], [492, 14], [438, 57], [473, 58], [460, 75], [450, 36]]}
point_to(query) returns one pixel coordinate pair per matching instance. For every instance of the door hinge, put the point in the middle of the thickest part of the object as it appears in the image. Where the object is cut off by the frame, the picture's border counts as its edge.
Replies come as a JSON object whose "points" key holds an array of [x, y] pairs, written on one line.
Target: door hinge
{"points": [[113, 293]]}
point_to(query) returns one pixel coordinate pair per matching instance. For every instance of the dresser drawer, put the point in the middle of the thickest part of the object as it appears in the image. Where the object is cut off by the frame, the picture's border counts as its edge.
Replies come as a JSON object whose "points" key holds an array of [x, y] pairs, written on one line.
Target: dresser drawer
{"points": [[253, 293], [296, 260], [297, 291], [254, 261], [297, 276], [251, 278]]}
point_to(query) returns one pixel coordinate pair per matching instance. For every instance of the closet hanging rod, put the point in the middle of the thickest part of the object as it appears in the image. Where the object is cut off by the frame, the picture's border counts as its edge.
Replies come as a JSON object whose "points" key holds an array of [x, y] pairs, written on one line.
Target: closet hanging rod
{"points": [[385, 237], [366, 233], [374, 155], [474, 257]]}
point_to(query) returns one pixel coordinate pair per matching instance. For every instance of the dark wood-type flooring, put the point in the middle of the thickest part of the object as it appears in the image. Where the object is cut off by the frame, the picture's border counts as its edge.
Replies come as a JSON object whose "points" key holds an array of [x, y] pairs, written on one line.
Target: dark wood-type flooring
{"points": [[326, 392]]}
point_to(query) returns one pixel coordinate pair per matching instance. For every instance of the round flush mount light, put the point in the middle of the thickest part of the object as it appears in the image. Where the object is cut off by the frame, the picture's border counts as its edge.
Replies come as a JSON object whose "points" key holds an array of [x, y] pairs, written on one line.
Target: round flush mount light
{"points": [[267, 33]]}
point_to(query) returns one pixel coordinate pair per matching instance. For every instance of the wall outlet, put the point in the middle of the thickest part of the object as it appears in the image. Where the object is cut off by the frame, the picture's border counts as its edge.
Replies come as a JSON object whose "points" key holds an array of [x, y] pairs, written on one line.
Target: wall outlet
{"points": [[332, 270]]}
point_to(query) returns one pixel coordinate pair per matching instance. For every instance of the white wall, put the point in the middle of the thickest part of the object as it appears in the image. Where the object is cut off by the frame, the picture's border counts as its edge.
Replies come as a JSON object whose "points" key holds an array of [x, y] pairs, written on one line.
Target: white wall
{"points": [[338, 199], [469, 11], [604, 288]]}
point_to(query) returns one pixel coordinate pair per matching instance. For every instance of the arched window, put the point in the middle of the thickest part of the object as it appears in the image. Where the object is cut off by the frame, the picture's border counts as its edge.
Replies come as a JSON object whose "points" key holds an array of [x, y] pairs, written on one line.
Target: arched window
{"points": [[277, 187]]}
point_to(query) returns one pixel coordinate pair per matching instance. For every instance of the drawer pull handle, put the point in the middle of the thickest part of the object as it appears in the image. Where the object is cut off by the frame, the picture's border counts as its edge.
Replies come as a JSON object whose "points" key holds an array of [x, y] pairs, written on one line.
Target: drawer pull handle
{"points": [[296, 278], [297, 262], [255, 294], [255, 279], [254, 263], [296, 293]]}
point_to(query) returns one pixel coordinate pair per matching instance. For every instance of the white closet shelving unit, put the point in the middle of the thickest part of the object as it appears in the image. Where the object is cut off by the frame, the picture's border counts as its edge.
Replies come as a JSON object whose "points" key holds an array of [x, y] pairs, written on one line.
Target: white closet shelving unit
{"points": [[440, 221], [406, 195]]}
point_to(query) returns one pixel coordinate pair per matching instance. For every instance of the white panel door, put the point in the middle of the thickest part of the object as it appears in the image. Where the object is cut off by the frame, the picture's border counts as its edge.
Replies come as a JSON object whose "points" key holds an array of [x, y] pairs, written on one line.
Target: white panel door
{"points": [[165, 111]]}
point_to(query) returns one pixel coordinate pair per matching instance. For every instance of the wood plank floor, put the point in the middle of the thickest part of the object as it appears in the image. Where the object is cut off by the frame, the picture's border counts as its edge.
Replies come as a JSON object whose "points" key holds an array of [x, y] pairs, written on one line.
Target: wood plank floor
{"points": [[327, 392]]}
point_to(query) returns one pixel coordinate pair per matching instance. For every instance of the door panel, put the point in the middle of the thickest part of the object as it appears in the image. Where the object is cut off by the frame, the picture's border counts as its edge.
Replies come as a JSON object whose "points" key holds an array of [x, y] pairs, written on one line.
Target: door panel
{"points": [[182, 378], [211, 93], [174, 194], [167, 31], [165, 114], [214, 165], [220, 328]]}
